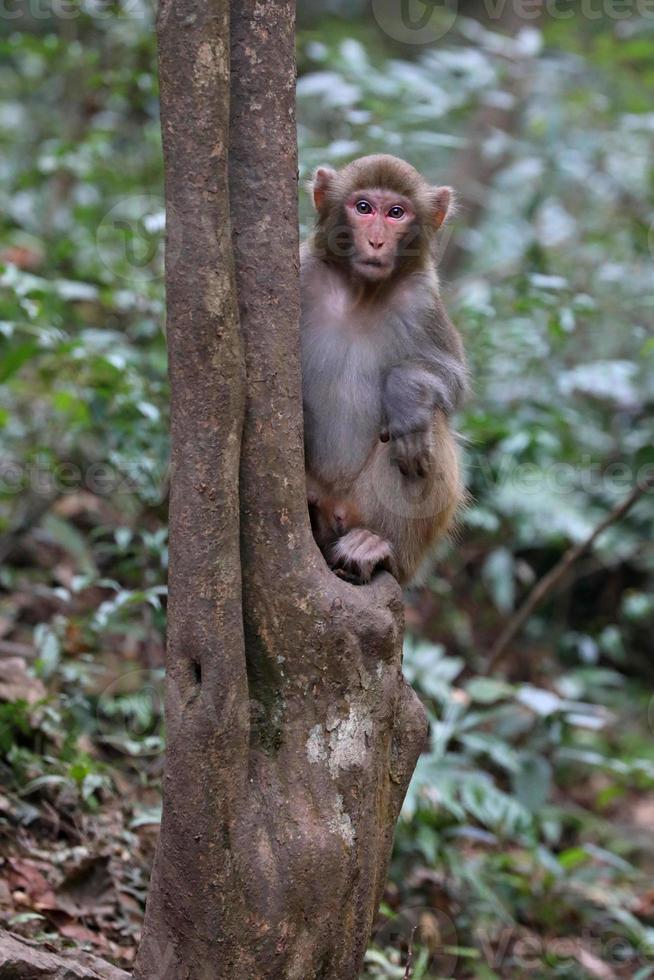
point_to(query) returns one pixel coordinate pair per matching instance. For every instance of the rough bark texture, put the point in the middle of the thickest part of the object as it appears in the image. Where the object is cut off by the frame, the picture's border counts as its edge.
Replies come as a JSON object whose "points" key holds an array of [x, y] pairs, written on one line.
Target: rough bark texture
{"points": [[21, 959], [291, 733]]}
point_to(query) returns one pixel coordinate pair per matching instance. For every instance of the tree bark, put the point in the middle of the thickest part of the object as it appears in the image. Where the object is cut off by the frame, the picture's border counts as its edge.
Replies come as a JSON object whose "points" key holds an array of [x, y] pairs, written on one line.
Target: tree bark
{"points": [[291, 733]]}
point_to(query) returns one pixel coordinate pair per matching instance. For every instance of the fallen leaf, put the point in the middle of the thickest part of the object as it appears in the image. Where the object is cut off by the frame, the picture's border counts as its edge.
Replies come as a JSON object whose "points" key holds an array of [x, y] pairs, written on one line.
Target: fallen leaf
{"points": [[16, 684]]}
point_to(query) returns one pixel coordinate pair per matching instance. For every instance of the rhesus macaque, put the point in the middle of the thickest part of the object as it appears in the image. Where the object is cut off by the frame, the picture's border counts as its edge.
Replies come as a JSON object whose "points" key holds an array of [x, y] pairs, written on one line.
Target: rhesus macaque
{"points": [[383, 369]]}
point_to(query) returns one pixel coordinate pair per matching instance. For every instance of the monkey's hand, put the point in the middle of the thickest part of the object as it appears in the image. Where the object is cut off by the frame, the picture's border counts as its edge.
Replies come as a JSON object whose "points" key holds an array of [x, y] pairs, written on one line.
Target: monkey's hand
{"points": [[412, 453]]}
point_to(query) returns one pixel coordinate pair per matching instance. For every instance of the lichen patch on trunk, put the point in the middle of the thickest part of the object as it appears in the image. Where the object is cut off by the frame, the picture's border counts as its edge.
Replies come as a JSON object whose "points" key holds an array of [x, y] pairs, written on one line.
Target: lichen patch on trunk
{"points": [[211, 63], [316, 747], [341, 823], [348, 740]]}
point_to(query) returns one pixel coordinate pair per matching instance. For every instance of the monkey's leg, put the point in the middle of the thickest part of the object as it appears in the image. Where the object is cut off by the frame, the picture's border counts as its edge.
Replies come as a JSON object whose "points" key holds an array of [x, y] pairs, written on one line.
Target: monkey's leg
{"points": [[351, 551], [319, 502], [331, 510], [411, 513]]}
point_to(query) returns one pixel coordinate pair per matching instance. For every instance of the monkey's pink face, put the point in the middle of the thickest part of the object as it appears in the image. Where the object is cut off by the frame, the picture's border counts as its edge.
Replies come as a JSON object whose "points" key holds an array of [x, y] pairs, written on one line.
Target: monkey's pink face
{"points": [[379, 220]]}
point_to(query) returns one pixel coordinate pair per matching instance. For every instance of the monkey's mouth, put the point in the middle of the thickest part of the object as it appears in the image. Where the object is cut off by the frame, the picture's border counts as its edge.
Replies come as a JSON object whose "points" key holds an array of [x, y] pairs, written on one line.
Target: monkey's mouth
{"points": [[374, 267]]}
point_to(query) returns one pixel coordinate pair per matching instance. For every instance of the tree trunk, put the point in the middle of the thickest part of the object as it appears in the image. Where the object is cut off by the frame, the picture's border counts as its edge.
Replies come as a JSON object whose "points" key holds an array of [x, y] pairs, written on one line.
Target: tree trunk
{"points": [[291, 733]]}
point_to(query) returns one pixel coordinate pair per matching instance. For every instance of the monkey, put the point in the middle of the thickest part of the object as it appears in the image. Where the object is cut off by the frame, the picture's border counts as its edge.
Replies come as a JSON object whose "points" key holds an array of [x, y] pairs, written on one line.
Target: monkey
{"points": [[383, 369]]}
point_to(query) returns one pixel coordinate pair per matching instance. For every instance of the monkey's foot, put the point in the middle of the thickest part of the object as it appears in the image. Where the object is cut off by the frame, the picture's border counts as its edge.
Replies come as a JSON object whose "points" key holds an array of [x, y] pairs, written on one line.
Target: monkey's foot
{"points": [[346, 576], [359, 553]]}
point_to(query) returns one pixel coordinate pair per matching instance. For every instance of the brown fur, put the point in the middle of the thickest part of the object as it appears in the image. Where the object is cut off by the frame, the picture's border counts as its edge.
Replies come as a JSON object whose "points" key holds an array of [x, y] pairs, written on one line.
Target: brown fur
{"points": [[385, 501], [411, 514], [331, 239]]}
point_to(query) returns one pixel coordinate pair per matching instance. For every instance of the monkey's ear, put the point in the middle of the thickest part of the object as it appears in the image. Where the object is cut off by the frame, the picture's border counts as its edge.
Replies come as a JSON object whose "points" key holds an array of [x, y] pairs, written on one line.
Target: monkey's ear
{"points": [[320, 184], [442, 204]]}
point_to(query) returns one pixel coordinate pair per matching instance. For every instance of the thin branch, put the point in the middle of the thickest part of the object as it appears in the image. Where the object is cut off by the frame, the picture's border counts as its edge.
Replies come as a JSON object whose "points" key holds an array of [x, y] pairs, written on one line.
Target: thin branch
{"points": [[549, 582], [408, 973]]}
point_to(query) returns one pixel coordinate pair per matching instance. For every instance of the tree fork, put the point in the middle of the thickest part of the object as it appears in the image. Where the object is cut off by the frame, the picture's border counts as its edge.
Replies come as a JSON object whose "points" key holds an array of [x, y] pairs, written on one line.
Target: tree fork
{"points": [[292, 735]]}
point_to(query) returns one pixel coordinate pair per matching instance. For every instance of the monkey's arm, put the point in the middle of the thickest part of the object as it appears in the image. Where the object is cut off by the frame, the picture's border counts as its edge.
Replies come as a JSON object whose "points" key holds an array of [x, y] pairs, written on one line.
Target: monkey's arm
{"points": [[414, 390], [411, 396], [433, 378]]}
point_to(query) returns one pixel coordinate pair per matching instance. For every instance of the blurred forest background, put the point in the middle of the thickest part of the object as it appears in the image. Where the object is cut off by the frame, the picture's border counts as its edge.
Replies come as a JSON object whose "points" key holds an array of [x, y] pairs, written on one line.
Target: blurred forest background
{"points": [[526, 843]]}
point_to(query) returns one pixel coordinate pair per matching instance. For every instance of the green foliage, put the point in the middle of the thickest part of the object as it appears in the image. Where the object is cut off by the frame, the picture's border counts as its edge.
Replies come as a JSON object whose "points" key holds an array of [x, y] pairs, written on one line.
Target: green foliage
{"points": [[14, 722], [524, 846], [495, 809]]}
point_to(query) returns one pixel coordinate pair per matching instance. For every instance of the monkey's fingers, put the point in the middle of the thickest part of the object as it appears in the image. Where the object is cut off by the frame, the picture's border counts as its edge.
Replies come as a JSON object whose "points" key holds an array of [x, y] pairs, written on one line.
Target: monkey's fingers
{"points": [[412, 454], [352, 577], [423, 464]]}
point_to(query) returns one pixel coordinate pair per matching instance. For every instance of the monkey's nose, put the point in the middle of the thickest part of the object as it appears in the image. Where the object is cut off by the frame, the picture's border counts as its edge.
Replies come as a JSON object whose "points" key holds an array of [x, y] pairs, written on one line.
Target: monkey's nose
{"points": [[376, 244]]}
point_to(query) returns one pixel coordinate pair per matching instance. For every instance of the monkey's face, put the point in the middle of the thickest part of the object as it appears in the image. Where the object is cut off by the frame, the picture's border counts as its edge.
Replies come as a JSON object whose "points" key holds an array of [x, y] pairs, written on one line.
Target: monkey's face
{"points": [[379, 221]]}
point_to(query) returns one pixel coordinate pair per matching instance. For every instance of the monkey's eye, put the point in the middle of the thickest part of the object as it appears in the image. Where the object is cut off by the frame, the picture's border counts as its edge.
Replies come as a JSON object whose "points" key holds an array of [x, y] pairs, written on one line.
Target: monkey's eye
{"points": [[363, 207], [396, 212]]}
